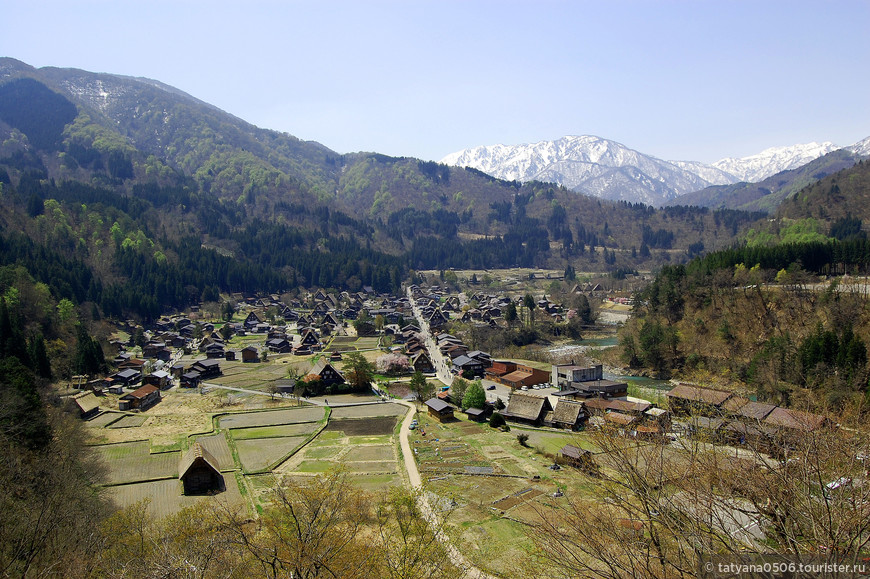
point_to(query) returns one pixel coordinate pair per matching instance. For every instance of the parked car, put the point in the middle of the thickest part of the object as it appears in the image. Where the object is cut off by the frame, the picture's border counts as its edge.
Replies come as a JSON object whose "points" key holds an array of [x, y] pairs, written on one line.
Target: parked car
{"points": [[491, 387]]}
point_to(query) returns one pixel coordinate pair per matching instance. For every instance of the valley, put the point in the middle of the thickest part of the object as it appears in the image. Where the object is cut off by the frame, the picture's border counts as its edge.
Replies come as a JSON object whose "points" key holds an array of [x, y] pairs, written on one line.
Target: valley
{"points": [[226, 348]]}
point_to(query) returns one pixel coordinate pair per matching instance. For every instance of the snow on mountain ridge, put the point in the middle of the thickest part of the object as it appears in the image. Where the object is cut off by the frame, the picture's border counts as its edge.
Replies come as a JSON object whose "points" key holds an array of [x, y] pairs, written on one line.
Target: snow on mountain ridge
{"points": [[580, 162], [773, 160], [607, 169]]}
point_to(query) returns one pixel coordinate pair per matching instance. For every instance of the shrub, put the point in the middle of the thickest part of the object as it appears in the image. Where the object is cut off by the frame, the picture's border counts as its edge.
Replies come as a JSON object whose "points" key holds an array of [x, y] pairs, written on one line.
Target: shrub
{"points": [[496, 420]]}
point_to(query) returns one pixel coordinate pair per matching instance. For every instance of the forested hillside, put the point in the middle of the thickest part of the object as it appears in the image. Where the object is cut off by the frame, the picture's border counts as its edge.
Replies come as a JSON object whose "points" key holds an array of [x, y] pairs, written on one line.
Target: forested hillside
{"points": [[767, 318]]}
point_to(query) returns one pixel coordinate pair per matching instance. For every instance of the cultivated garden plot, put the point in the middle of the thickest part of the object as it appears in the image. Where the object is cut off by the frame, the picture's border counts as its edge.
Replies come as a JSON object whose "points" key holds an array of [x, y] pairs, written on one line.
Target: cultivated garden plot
{"points": [[272, 417], [369, 410], [165, 497], [496, 483], [132, 462], [374, 426]]}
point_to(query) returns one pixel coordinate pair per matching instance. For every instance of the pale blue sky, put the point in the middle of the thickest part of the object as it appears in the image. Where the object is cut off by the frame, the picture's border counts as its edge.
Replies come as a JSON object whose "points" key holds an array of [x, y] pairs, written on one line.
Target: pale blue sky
{"points": [[697, 80]]}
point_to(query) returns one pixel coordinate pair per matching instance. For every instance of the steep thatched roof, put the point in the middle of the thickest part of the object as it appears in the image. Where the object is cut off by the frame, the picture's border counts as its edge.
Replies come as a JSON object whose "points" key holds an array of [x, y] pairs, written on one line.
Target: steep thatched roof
{"points": [[526, 407], [567, 412], [699, 394], [196, 452], [87, 402]]}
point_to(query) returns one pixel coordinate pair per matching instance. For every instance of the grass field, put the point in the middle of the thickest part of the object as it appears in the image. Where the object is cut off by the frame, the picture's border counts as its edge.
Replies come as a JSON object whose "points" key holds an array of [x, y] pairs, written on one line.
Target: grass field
{"points": [[260, 453], [272, 417], [104, 419], [373, 452]]}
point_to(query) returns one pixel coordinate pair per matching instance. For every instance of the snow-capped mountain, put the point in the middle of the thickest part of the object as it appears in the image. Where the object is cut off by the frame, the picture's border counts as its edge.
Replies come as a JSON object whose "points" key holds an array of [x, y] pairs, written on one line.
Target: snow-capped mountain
{"points": [[773, 160], [861, 148], [587, 164], [610, 170]]}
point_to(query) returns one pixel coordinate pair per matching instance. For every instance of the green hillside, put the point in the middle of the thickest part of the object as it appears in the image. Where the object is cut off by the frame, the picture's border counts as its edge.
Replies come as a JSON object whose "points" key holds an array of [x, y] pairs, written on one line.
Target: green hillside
{"points": [[157, 198]]}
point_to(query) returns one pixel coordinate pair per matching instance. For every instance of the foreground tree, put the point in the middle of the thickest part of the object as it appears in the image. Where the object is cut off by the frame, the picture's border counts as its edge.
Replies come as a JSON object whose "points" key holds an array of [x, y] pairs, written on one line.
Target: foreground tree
{"points": [[659, 509], [408, 542]]}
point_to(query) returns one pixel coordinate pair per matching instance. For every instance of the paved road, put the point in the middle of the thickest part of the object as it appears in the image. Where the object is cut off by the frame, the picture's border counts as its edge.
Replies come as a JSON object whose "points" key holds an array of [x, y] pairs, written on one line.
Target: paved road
{"points": [[442, 366], [456, 557]]}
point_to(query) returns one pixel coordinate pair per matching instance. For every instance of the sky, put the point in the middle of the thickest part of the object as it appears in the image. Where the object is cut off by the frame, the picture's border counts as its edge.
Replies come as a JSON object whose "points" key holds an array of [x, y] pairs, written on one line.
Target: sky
{"points": [[680, 80]]}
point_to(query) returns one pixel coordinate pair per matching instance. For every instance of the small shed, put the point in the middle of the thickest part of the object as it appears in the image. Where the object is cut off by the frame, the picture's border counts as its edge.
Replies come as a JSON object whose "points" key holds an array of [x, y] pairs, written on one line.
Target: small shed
{"points": [[478, 414], [439, 410], [578, 458], [250, 354], [198, 472]]}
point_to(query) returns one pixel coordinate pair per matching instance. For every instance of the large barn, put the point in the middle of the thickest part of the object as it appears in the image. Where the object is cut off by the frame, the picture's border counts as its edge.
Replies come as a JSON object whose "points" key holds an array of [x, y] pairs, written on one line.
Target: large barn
{"points": [[198, 471]]}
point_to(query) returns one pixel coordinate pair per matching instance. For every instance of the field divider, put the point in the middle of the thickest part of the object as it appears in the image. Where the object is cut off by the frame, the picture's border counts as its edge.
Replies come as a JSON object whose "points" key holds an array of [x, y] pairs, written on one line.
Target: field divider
{"points": [[135, 482]]}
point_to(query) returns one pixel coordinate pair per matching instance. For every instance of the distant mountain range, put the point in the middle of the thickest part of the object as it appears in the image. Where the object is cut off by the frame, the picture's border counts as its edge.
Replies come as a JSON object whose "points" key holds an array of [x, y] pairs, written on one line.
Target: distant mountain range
{"points": [[610, 170]]}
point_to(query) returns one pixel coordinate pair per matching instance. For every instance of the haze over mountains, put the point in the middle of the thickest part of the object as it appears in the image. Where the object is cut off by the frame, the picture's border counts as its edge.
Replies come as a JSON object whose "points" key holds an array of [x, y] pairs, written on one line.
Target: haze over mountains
{"points": [[610, 170]]}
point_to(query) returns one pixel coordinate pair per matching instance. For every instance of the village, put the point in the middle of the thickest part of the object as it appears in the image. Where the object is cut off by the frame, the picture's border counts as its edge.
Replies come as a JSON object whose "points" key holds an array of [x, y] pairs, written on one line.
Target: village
{"points": [[203, 409]]}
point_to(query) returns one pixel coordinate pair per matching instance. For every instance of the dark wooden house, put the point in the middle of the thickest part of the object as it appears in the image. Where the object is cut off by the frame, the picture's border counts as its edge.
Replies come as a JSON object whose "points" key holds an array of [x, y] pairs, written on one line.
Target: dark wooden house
{"points": [[141, 398], [439, 409]]}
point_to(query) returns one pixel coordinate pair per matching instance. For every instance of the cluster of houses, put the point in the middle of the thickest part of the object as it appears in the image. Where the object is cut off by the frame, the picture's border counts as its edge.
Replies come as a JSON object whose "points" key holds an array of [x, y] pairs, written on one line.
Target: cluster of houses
{"points": [[726, 417], [579, 396]]}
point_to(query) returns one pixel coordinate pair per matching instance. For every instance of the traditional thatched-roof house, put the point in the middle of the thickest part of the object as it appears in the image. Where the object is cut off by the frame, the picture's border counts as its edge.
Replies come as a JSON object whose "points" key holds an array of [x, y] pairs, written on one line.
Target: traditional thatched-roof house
{"points": [[88, 405], [692, 399], [568, 414], [527, 408], [199, 472], [422, 363], [325, 372]]}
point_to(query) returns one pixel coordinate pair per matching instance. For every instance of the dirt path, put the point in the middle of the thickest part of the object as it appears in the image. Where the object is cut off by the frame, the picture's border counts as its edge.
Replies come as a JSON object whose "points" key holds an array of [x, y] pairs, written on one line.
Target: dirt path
{"points": [[456, 557]]}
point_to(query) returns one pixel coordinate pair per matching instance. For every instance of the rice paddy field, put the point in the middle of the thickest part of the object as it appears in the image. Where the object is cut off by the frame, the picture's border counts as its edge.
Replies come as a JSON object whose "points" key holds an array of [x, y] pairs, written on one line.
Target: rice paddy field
{"points": [[128, 462]]}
